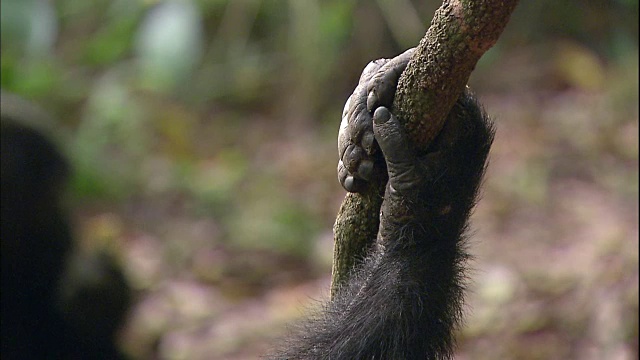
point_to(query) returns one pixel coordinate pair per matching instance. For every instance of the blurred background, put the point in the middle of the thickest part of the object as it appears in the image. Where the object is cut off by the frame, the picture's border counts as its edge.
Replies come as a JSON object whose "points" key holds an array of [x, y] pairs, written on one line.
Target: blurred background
{"points": [[203, 137]]}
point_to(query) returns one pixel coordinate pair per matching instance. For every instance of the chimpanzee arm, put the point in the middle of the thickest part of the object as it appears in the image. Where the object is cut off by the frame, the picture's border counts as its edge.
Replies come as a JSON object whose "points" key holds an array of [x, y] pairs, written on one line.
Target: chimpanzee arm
{"points": [[49, 307], [404, 302]]}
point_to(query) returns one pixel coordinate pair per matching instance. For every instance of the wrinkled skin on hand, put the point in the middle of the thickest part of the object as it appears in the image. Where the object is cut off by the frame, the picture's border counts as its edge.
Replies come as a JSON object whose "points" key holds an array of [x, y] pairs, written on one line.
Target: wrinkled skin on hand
{"points": [[367, 119], [404, 299], [360, 160], [435, 188]]}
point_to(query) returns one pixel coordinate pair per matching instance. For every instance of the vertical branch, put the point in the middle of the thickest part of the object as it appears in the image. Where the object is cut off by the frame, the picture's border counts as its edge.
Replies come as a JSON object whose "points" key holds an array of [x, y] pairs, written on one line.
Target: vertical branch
{"points": [[460, 33]]}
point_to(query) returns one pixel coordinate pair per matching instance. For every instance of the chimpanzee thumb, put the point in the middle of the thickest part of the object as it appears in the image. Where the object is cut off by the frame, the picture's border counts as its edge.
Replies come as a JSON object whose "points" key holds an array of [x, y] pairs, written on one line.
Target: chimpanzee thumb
{"points": [[398, 153]]}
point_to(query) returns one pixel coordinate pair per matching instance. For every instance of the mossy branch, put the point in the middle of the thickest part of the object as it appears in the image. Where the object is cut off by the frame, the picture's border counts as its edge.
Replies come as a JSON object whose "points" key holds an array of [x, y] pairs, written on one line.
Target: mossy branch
{"points": [[460, 33]]}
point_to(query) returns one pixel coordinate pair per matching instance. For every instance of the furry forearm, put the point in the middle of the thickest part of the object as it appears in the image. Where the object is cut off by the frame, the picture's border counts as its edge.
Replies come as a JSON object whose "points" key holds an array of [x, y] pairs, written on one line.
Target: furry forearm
{"points": [[405, 301]]}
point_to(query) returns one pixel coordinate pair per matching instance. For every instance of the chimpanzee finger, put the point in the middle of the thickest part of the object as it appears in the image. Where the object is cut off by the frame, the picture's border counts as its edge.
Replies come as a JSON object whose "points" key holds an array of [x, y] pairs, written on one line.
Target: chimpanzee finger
{"points": [[382, 87]]}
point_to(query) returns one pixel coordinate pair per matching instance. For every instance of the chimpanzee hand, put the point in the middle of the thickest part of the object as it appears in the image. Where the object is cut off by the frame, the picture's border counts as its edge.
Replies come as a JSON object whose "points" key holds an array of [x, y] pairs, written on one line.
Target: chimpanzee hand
{"points": [[359, 158], [404, 299], [433, 187]]}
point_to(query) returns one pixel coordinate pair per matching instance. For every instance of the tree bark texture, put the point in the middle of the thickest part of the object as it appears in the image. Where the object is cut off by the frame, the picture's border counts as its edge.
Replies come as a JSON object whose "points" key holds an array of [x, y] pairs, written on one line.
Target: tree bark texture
{"points": [[460, 33]]}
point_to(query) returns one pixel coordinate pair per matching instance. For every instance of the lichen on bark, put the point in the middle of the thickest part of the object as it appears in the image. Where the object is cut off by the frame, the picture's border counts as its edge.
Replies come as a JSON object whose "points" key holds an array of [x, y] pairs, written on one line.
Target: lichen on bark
{"points": [[460, 33]]}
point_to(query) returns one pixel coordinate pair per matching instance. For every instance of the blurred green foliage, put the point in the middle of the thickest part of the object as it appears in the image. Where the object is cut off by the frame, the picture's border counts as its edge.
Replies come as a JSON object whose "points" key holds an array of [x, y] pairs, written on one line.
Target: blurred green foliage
{"points": [[202, 133], [161, 97]]}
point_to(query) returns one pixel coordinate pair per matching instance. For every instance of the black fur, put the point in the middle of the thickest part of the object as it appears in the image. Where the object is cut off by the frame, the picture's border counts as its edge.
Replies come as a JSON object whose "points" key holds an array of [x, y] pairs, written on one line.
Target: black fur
{"points": [[37, 323], [405, 301]]}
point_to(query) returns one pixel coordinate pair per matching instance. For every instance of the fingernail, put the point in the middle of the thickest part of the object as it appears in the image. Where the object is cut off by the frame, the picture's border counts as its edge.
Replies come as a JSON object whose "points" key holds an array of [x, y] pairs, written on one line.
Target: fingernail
{"points": [[381, 116], [365, 169], [367, 142], [348, 183], [372, 98]]}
